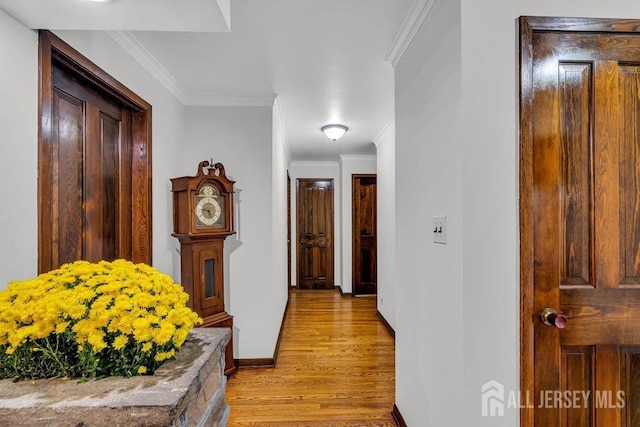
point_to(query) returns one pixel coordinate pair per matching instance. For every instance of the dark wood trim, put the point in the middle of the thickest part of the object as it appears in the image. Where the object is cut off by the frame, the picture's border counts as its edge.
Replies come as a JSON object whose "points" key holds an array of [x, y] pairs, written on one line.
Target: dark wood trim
{"points": [[289, 231], [386, 324], [50, 49], [343, 294], [298, 214], [45, 110], [267, 362], [277, 349], [526, 216], [353, 221], [606, 25], [91, 72], [397, 417]]}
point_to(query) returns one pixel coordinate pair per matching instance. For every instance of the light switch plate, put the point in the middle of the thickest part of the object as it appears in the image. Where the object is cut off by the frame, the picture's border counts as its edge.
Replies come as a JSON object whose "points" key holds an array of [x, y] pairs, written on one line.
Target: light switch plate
{"points": [[440, 229]]}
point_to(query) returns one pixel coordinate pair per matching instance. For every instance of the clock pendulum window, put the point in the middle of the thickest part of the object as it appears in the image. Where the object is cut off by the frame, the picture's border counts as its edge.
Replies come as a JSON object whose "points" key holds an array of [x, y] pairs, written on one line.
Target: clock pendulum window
{"points": [[202, 220]]}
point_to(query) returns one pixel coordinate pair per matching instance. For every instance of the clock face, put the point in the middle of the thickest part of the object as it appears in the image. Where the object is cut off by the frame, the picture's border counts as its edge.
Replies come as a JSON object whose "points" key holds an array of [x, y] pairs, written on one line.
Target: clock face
{"points": [[209, 208]]}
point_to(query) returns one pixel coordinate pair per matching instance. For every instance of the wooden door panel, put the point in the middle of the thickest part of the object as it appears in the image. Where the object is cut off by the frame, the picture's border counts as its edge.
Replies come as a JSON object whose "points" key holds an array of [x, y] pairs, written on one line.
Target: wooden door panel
{"points": [[630, 175], [576, 375], [631, 385], [89, 141], [65, 194], [110, 140], [315, 234], [94, 162], [364, 220], [575, 146], [210, 278], [601, 316], [583, 181]]}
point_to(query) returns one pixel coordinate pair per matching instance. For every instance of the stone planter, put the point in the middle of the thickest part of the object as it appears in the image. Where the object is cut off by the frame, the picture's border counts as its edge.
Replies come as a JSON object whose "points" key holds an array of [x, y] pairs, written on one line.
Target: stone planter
{"points": [[187, 391]]}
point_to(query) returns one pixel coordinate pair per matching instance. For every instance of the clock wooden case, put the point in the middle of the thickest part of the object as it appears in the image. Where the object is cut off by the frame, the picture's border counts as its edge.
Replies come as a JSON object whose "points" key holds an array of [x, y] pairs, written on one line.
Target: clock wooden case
{"points": [[202, 219]]}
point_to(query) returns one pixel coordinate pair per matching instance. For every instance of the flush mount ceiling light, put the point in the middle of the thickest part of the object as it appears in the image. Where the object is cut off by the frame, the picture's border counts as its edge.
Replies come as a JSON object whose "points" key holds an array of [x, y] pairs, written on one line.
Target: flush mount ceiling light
{"points": [[334, 132]]}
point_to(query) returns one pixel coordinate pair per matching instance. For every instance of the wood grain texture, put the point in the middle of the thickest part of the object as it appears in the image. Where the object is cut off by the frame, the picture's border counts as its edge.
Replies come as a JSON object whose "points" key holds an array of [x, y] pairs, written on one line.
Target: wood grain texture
{"points": [[364, 234], [397, 417], [576, 375], [113, 159], [607, 379], [335, 368], [631, 385], [630, 175], [601, 316], [386, 324], [526, 217], [315, 233], [580, 215], [576, 156]]}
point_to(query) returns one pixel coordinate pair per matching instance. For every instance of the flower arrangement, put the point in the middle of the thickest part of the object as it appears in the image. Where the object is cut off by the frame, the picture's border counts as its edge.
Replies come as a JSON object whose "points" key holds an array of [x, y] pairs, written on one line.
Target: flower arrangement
{"points": [[92, 320]]}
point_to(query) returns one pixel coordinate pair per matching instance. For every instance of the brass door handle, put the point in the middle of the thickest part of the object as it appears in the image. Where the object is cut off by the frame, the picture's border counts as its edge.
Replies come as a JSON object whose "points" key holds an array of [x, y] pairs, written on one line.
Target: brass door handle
{"points": [[551, 318]]}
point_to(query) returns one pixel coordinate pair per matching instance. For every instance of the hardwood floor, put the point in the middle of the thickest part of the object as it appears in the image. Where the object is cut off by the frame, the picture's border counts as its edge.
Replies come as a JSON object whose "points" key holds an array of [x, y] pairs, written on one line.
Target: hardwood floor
{"points": [[335, 368]]}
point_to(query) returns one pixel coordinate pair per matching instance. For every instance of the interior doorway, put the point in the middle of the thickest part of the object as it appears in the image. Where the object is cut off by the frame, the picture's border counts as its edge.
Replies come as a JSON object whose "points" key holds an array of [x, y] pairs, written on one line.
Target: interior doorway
{"points": [[94, 162], [288, 231], [364, 220], [314, 225], [580, 221]]}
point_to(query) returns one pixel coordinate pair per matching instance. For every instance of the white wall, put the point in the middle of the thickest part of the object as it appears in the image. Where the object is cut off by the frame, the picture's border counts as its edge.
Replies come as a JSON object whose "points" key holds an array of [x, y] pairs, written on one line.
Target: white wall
{"points": [[428, 312], [303, 169], [349, 165], [386, 185], [490, 186], [241, 138], [18, 115], [18, 174], [280, 165]]}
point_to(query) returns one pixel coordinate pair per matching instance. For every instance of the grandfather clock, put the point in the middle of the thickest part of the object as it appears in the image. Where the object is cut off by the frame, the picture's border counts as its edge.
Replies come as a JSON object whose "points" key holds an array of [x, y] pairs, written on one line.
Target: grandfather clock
{"points": [[202, 219]]}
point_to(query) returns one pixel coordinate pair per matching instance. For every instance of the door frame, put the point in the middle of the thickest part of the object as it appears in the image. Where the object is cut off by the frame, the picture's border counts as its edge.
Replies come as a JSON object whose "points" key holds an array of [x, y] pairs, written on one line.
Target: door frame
{"points": [[289, 231], [333, 225], [527, 26], [50, 49], [354, 177]]}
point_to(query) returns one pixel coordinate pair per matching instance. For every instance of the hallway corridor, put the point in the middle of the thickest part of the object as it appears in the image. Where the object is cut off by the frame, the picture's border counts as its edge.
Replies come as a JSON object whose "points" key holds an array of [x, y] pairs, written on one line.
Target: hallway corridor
{"points": [[335, 368]]}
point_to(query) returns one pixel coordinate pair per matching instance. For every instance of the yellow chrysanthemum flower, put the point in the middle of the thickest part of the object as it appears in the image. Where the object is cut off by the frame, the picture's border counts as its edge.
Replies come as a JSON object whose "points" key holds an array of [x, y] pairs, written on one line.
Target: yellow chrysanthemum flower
{"points": [[97, 304], [120, 342]]}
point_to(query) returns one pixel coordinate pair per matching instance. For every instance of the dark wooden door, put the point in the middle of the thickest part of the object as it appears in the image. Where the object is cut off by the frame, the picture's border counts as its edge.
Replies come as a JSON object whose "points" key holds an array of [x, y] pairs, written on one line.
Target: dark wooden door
{"points": [[94, 163], [315, 233], [288, 231], [89, 131], [364, 200], [580, 221]]}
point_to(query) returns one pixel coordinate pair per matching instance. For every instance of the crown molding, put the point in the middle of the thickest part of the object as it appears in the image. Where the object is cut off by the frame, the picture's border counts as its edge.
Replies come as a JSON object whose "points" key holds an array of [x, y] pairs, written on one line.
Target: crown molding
{"points": [[139, 52], [230, 100], [344, 157], [414, 19], [317, 163], [389, 128], [279, 123]]}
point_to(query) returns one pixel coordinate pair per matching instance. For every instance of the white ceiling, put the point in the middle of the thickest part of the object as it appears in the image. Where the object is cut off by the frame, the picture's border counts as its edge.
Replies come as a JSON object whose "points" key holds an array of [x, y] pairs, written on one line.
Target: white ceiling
{"points": [[323, 59], [142, 15]]}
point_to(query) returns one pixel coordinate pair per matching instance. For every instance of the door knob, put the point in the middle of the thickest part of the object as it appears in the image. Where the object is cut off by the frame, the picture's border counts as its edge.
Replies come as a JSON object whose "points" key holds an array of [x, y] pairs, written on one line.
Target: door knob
{"points": [[551, 318]]}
